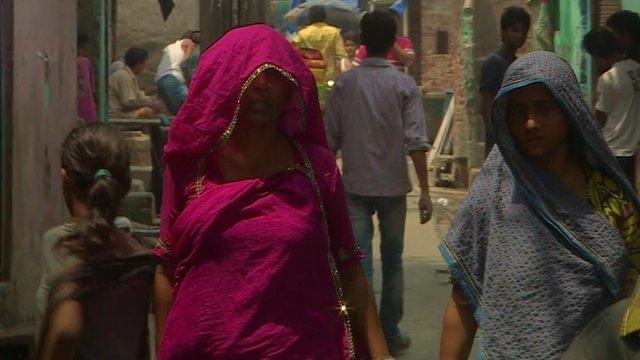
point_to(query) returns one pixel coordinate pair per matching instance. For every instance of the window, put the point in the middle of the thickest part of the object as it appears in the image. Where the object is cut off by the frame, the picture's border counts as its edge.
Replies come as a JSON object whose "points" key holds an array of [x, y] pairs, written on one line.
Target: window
{"points": [[442, 42]]}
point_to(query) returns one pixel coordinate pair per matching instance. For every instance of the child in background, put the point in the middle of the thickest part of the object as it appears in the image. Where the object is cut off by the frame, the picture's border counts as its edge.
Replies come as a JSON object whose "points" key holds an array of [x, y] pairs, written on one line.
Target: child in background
{"points": [[86, 83], [351, 43]]}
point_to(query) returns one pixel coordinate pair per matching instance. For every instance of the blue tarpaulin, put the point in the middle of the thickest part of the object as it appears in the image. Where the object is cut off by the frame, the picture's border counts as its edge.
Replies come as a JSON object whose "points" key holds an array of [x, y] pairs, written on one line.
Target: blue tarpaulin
{"points": [[399, 6]]}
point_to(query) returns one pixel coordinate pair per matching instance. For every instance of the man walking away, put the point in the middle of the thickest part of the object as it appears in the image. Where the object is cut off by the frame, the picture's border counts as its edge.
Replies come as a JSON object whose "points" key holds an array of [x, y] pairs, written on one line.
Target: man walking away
{"points": [[322, 37], [514, 27], [618, 97], [375, 117]]}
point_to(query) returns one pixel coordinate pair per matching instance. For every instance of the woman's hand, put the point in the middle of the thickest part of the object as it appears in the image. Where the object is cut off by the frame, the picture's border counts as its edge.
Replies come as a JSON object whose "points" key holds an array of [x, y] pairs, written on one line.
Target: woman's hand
{"points": [[162, 297], [364, 315], [64, 327], [458, 327]]}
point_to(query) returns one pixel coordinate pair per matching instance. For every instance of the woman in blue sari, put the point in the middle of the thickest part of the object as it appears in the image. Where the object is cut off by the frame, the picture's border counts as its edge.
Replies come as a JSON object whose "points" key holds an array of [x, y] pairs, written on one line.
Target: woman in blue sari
{"points": [[547, 237]]}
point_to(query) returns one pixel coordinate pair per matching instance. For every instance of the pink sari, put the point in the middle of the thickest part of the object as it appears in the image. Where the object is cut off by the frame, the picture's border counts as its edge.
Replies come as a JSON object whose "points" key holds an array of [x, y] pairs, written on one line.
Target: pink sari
{"points": [[86, 88], [257, 261]]}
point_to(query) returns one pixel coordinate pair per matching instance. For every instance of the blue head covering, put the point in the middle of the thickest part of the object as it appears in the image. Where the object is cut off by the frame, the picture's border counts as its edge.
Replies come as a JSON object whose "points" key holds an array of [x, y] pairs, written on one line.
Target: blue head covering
{"points": [[536, 261]]}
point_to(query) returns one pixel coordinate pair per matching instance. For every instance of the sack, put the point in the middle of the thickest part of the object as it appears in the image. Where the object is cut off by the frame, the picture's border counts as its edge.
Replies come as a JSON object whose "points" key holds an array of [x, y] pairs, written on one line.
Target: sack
{"points": [[314, 60]]}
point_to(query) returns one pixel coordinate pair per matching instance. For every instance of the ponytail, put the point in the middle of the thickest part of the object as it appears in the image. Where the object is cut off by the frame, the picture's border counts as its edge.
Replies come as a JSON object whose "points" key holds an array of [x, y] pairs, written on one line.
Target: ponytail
{"points": [[96, 160]]}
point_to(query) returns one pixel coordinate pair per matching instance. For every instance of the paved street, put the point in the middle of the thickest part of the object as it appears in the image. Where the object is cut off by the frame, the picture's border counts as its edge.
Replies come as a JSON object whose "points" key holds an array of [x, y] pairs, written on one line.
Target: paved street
{"points": [[426, 278]]}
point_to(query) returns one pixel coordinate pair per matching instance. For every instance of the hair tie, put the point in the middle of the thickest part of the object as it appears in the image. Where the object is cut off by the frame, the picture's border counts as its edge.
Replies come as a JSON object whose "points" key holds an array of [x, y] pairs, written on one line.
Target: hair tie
{"points": [[102, 173]]}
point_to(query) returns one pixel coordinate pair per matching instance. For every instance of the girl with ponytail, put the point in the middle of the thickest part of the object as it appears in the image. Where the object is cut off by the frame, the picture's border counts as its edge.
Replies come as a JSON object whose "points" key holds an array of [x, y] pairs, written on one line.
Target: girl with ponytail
{"points": [[97, 300]]}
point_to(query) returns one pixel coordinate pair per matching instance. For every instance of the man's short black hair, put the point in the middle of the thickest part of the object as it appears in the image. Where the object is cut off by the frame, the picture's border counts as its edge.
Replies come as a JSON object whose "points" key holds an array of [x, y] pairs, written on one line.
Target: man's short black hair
{"points": [[135, 56], [378, 32], [600, 42], [625, 21], [515, 15], [317, 14]]}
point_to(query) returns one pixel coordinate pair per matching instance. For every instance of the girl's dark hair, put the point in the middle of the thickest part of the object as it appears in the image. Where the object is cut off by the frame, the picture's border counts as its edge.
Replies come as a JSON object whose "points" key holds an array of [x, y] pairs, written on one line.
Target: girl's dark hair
{"points": [[87, 152]]}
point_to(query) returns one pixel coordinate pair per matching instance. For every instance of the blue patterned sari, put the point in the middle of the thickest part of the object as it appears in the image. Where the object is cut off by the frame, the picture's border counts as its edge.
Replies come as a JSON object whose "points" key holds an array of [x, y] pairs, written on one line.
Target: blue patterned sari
{"points": [[535, 260]]}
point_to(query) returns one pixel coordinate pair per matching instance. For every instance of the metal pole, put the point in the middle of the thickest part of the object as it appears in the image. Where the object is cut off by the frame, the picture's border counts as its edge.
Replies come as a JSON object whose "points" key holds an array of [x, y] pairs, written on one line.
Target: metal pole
{"points": [[102, 66]]}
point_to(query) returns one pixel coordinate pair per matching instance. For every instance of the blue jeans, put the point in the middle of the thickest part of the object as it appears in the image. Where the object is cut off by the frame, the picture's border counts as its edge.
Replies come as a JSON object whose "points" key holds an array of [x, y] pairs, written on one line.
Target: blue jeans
{"points": [[392, 213], [172, 92]]}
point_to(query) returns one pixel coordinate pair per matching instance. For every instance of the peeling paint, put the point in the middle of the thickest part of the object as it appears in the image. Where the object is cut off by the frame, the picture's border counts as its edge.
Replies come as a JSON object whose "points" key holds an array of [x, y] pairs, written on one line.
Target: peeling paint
{"points": [[46, 87]]}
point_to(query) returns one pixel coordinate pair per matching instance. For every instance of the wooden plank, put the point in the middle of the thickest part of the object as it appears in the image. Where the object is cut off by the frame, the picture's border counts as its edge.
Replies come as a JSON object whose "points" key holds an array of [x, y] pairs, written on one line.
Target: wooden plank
{"points": [[443, 133]]}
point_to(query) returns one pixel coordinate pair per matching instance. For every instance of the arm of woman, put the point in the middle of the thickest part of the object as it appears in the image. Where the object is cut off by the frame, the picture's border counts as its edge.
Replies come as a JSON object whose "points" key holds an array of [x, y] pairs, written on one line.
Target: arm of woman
{"points": [[364, 315], [162, 297], [458, 327], [65, 329]]}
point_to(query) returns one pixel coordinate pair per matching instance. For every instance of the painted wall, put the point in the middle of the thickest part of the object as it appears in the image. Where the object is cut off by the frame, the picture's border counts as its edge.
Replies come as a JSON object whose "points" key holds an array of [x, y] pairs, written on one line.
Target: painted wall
{"points": [[43, 111], [633, 5], [573, 25], [139, 23]]}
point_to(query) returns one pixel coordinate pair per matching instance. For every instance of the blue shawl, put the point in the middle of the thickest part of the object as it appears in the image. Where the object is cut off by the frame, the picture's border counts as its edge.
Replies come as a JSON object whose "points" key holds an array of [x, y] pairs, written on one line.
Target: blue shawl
{"points": [[536, 261]]}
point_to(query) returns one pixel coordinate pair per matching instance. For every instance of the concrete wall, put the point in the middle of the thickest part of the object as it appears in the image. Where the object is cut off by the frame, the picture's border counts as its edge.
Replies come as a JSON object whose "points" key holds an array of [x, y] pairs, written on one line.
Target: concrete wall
{"points": [[43, 111], [139, 23]]}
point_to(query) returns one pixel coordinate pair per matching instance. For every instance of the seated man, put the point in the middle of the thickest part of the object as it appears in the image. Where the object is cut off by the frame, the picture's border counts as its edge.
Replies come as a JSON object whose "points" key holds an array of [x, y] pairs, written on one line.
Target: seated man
{"points": [[126, 100]]}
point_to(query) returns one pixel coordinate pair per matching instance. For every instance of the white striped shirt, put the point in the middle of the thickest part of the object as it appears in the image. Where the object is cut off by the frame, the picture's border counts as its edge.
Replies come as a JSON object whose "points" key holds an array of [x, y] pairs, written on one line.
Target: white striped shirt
{"points": [[375, 116]]}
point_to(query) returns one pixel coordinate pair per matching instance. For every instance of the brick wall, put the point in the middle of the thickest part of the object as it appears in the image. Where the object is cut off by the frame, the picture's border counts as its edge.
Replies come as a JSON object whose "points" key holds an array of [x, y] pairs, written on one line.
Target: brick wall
{"points": [[605, 8], [437, 69]]}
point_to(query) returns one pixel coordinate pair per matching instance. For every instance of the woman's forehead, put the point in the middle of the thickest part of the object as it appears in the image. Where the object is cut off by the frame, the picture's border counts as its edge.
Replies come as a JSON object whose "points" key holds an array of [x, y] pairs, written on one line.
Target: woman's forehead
{"points": [[531, 93]]}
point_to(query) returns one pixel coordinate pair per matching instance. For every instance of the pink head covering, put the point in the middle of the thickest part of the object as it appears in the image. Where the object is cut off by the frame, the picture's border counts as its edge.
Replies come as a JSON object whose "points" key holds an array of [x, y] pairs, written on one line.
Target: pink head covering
{"points": [[224, 71]]}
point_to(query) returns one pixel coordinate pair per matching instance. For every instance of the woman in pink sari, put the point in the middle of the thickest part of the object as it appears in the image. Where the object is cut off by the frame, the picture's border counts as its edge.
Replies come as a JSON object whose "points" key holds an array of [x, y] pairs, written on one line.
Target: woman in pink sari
{"points": [[258, 255]]}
